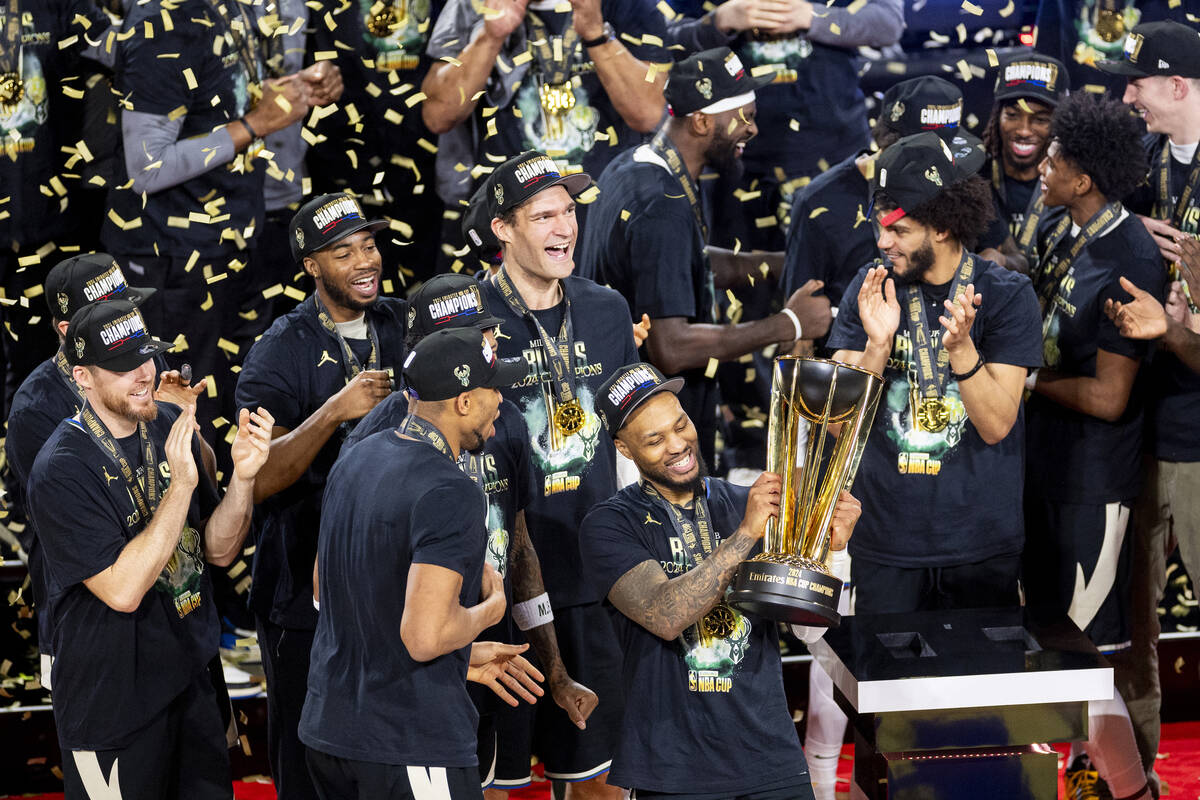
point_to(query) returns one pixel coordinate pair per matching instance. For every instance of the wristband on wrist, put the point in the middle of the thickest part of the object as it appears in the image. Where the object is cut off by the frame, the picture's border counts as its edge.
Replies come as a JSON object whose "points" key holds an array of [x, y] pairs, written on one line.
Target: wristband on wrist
{"points": [[249, 129], [607, 35], [795, 322], [533, 612], [969, 373]]}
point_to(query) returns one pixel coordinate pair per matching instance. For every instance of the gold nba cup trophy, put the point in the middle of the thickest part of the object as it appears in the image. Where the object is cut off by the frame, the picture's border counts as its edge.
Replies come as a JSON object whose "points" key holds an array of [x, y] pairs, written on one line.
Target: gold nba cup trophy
{"points": [[790, 580]]}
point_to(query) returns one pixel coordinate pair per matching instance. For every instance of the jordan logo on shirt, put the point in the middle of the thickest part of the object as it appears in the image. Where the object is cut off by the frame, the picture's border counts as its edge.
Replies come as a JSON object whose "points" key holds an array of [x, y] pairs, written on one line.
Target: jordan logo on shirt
{"points": [[107, 478], [650, 520], [326, 359]]}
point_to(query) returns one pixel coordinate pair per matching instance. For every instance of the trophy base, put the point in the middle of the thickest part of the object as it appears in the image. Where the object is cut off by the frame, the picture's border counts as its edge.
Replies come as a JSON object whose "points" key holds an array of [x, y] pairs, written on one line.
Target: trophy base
{"points": [[787, 589]]}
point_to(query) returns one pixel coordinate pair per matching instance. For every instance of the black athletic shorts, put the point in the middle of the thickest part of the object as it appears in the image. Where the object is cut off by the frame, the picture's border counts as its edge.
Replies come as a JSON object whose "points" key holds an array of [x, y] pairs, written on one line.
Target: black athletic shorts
{"points": [[346, 779], [794, 789]]}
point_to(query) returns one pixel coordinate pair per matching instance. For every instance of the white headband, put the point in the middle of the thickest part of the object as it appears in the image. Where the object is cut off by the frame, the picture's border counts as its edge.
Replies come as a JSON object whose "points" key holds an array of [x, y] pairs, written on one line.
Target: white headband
{"points": [[728, 104]]}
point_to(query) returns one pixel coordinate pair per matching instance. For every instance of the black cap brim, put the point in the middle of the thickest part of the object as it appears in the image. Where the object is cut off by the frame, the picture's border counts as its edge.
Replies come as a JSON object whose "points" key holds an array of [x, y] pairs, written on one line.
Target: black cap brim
{"points": [[132, 359], [672, 385], [575, 184], [1121, 67], [1017, 93], [508, 371], [139, 294], [487, 322]]}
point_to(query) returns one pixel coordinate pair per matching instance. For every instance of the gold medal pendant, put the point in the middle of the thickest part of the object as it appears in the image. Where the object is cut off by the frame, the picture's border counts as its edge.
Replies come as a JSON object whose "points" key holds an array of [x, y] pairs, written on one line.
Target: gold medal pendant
{"points": [[933, 415], [11, 89], [382, 19], [557, 101], [569, 418], [1110, 25], [718, 623]]}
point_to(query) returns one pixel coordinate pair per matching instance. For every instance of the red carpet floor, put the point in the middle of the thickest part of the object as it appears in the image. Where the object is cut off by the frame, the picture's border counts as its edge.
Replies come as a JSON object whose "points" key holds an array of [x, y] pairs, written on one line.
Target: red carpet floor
{"points": [[1178, 766]]}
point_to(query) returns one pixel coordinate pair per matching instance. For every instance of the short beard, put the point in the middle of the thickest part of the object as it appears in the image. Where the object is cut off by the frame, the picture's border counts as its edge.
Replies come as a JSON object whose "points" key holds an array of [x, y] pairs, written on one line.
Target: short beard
{"points": [[339, 297], [664, 477], [920, 262], [721, 154], [121, 407]]}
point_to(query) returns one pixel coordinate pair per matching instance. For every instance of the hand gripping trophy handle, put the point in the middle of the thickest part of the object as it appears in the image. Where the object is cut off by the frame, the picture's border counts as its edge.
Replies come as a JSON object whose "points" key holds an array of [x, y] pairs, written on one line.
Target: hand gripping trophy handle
{"points": [[790, 580]]}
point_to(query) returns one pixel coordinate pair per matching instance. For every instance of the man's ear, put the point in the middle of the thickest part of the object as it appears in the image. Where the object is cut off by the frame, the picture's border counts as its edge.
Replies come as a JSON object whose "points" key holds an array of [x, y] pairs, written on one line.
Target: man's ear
{"points": [[82, 376], [501, 230], [622, 448], [1083, 184], [310, 266], [700, 125], [463, 403]]}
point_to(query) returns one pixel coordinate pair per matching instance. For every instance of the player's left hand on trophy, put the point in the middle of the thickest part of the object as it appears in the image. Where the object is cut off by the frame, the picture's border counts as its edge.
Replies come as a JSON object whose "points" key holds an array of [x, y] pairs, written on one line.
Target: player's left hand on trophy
{"points": [[762, 504], [252, 444], [574, 698], [958, 319], [501, 668], [845, 517]]}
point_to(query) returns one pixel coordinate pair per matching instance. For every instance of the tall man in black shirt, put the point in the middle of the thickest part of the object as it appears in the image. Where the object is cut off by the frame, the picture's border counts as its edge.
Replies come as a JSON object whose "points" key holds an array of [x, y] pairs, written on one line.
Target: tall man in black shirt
{"points": [[321, 367], [406, 591], [129, 524], [663, 552], [647, 236]]}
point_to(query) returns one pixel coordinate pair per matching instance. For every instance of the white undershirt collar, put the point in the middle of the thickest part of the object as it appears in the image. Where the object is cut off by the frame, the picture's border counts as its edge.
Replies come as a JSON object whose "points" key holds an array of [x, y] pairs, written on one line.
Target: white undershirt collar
{"points": [[354, 329]]}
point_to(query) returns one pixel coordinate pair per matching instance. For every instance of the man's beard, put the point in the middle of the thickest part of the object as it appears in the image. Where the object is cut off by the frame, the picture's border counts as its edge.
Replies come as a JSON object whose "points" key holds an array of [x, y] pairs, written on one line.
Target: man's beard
{"points": [[663, 475], [119, 405], [721, 154], [339, 296], [920, 262]]}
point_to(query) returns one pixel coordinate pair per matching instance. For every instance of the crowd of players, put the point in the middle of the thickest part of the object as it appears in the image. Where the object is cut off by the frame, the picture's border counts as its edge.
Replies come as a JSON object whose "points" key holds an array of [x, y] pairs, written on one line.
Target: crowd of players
{"points": [[434, 282]]}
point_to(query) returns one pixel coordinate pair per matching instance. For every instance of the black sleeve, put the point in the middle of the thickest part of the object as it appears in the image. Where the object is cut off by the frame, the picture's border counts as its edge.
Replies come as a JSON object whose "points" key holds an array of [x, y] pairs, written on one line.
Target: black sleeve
{"points": [[687, 35], [848, 332], [439, 520], [267, 379], [1146, 273], [1014, 331], [609, 547], [662, 264], [808, 253]]}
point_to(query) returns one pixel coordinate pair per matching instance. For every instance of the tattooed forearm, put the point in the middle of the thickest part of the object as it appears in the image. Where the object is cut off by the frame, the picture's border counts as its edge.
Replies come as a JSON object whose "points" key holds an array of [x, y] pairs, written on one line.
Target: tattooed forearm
{"points": [[666, 607], [526, 584]]}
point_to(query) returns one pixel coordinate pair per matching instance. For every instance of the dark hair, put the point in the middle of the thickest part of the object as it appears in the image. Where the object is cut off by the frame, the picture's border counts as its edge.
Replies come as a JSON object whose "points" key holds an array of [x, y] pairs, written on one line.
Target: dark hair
{"points": [[964, 208], [883, 135], [1101, 138], [992, 144]]}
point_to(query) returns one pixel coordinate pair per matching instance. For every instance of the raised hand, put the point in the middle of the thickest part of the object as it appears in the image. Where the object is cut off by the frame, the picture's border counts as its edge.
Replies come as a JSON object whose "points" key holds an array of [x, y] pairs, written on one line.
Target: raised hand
{"points": [[502, 17], [958, 319], [362, 394], [502, 668], [762, 504], [1166, 236], [878, 307], [641, 330], [252, 444], [1143, 318], [813, 310], [324, 80], [172, 388], [587, 19], [179, 450], [285, 100]]}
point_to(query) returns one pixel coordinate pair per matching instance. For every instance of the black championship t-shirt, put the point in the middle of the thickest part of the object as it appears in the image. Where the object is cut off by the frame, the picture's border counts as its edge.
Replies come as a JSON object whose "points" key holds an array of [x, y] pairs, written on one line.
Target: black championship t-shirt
{"points": [[114, 672], [830, 236], [291, 371], [701, 715], [503, 469], [1072, 456], [41, 48], [1012, 198], [967, 491], [571, 474], [642, 239], [393, 504], [1174, 389], [576, 125], [201, 70]]}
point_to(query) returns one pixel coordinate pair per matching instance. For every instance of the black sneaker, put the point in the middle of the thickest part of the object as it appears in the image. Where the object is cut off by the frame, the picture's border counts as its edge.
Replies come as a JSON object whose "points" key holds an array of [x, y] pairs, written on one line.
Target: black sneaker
{"points": [[1083, 782]]}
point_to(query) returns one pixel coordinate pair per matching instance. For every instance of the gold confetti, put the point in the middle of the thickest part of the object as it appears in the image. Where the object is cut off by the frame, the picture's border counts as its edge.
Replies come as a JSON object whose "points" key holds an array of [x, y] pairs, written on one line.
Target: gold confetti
{"points": [[625, 215], [416, 98], [1008, 9], [993, 59], [816, 212], [710, 370], [325, 55], [190, 78], [971, 8]]}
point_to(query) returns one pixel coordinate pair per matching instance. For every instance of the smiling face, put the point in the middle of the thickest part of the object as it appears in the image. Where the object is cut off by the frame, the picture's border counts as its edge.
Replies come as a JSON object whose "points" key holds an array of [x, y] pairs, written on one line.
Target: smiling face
{"points": [[540, 239], [1153, 98], [1024, 136], [347, 274], [1060, 178], [731, 131], [662, 442], [128, 395], [908, 245]]}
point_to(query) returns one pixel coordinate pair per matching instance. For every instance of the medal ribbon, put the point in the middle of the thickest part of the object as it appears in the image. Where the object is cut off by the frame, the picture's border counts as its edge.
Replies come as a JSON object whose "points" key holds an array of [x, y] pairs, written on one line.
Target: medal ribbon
{"points": [[553, 53], [661, 144], [557, 351], [12, 39], [699, 538], [146, 502], [1163, 209], [425, 431], [933, 368], [64, 370], [350, 362], [472, 466], [1046, 281]]}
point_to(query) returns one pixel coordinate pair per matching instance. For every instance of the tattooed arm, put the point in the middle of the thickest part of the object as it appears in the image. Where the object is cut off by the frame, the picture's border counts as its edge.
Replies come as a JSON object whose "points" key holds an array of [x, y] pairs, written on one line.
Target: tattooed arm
{"points": [[574, 698], [667, 606]]}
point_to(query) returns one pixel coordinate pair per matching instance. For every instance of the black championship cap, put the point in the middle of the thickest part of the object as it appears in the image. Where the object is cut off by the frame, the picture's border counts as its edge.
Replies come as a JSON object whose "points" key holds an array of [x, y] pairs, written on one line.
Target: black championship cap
{"points": [[523, 176], [80, 280], [628, 388], [711, 81], [927, 103], [1031, 76], [448, 301], [112, 335], [1158, 48], [323, 220], [447, 363], [917, 168], [477, 224]]}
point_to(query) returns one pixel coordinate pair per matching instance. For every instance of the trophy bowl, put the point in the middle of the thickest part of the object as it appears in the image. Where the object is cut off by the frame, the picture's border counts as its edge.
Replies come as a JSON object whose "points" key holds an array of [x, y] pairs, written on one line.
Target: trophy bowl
{"points": [[790, 580]]}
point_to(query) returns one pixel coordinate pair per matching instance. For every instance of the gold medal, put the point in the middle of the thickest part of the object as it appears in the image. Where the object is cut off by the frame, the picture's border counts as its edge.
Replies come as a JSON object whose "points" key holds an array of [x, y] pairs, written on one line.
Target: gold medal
{"points": [[11, 89], [569, 418], [1110, 25], [932, 415], [382, 19], [718, 623], [557, 101]]}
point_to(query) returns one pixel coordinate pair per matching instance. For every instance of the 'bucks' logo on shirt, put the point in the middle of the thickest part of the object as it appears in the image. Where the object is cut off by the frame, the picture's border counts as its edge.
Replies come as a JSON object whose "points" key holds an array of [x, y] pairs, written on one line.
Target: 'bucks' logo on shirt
{"points": [[562, 461]]}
